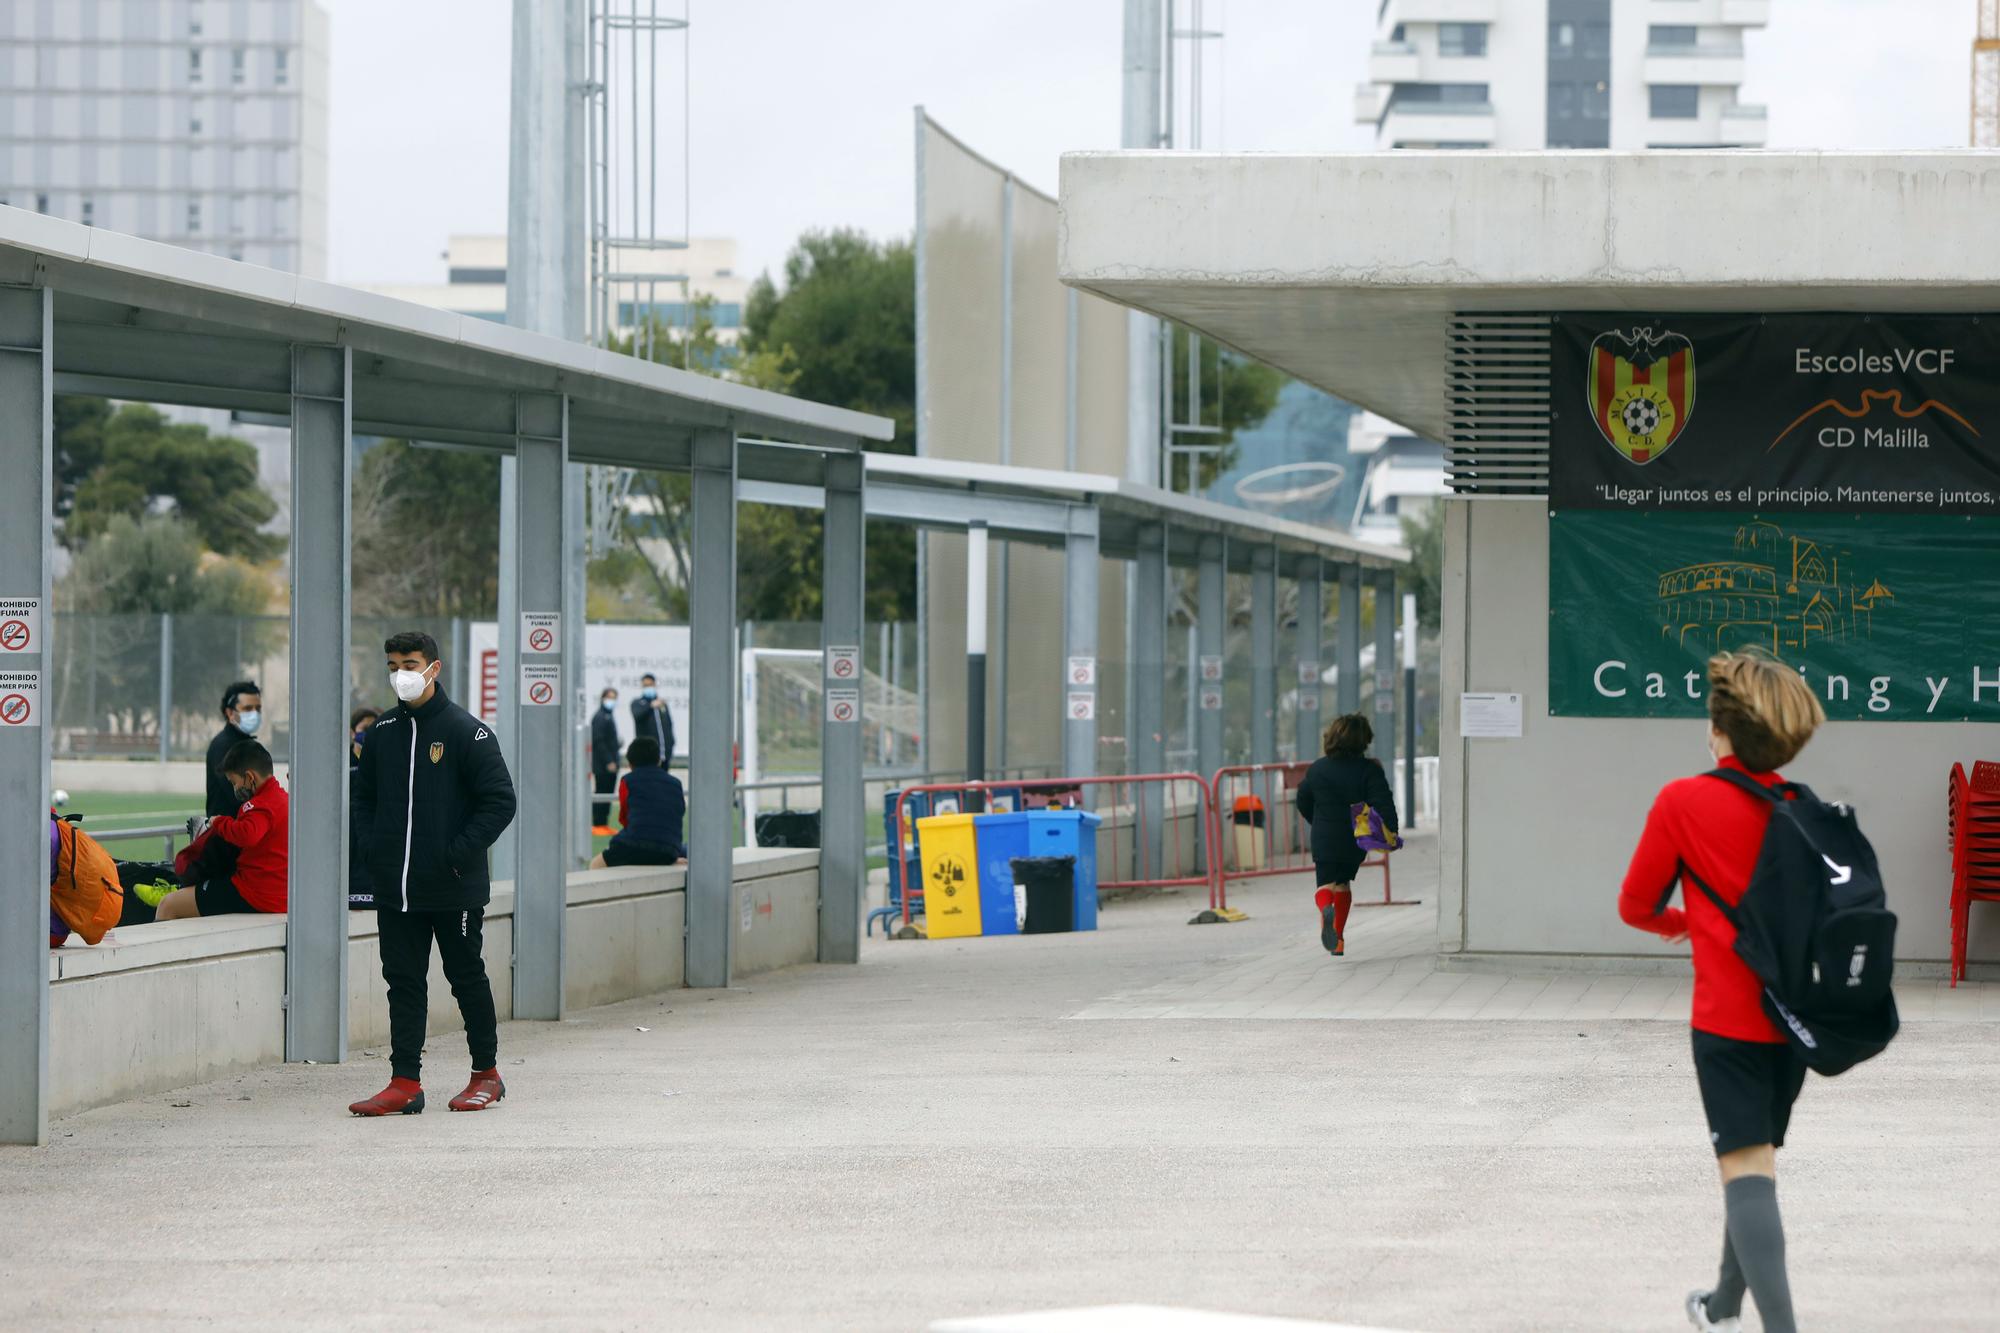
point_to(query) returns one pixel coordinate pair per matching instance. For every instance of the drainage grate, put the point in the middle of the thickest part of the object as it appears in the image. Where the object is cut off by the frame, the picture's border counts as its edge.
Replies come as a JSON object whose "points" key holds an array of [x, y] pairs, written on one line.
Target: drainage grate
{"points": [[1498, 414]]}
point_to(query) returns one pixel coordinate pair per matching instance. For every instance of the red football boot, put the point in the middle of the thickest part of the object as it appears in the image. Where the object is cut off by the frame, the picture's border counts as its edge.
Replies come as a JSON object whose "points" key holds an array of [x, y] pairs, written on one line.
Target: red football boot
{"points": [[485, 1090], [403, 1096]]}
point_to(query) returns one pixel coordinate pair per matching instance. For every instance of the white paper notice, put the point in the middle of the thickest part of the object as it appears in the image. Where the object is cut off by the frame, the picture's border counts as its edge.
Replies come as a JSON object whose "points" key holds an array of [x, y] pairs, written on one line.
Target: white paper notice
{"points": [[1489, 715]]}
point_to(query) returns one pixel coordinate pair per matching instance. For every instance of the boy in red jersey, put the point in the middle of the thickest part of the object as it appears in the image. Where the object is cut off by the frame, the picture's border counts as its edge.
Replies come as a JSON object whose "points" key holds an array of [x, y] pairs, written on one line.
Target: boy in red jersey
{"points": [[1761, 714]]}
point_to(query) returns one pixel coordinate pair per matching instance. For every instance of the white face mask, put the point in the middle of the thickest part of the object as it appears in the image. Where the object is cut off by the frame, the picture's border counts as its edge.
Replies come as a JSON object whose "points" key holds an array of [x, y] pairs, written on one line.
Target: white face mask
{"points": [[408, 684], [248, 721]]}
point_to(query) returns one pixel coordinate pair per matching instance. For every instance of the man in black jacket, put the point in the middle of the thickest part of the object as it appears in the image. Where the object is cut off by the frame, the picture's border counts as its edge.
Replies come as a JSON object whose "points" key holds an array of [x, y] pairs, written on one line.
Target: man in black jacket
{"points": [[242, 716], [652, 717], [604, 757], [432, 795]]}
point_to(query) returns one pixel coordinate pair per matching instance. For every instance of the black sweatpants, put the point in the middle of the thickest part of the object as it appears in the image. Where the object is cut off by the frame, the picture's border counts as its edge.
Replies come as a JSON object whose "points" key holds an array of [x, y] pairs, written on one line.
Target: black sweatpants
{"points": [[606, 792], [406, 966]]}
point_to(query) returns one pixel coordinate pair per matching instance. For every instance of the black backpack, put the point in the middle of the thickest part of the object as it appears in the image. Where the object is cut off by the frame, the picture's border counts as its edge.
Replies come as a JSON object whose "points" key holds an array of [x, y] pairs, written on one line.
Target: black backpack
{"points": [[1814, 926]]}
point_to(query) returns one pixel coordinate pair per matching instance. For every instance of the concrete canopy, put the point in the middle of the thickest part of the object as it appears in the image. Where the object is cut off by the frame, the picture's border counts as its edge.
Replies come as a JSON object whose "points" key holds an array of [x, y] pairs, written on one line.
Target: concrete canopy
{"points": [[1345, 270]]}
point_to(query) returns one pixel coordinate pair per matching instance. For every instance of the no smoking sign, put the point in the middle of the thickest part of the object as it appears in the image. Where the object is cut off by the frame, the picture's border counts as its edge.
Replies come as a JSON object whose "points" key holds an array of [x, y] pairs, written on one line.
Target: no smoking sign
{"points": [[843, 705], [20, 624], [20, 699], [540, 631], [540, 685], [843, 664]]}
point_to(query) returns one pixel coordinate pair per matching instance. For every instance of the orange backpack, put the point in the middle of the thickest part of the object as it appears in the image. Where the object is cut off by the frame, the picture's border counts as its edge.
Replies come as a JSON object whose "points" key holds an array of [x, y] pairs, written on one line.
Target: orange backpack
{"points": [[85, 892]]}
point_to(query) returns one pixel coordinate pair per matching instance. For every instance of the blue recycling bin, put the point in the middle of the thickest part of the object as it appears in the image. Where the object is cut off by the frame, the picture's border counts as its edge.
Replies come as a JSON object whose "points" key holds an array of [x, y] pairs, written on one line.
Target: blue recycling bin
{"points": [[998, 839], [1070, 833]]}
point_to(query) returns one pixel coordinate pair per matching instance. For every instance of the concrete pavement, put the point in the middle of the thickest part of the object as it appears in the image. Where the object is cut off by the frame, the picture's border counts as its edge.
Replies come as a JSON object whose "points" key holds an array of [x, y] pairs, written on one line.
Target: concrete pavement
{"points": [[964, 1128]]}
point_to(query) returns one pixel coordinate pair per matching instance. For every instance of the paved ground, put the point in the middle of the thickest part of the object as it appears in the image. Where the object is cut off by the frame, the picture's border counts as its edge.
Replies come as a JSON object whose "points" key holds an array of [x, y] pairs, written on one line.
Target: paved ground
{"points": [[956, 1128]]}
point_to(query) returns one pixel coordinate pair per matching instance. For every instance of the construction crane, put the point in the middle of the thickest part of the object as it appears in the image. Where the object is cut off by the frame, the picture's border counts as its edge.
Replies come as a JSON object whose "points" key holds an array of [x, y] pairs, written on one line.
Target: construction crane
{"points": [[1986, 77]]}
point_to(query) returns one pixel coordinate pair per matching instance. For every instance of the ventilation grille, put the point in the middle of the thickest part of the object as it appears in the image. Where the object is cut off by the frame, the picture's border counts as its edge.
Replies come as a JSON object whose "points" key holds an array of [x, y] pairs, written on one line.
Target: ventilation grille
{"points": [[1498, 406]]}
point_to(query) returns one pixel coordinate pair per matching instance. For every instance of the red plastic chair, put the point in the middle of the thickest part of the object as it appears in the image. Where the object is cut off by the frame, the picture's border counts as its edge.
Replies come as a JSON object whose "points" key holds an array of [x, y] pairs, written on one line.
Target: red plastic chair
{"points": [[1973, 824]]}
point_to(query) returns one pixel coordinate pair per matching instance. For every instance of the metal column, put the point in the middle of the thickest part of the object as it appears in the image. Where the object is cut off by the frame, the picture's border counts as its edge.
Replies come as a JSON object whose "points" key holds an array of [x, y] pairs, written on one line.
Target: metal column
{"points": [[1347, 645], [540, 722], [1147, 722], [1263, 655], [843, 863], [712, 702], [1080, 571], [507, 660], [1384, 701], [1312, 615], [975, 651], [1209, 632], [576, 601], [316, 909], [27, 323]]}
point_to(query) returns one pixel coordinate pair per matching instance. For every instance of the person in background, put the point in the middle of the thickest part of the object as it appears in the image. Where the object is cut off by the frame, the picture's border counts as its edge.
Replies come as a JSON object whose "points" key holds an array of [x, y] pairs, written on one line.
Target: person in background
{"points": [[242, 718], [651, 808], [1761, 713], [651, 717], [1339, 780], [433, 795], [604, 759], [360, 889], [260, 831]]}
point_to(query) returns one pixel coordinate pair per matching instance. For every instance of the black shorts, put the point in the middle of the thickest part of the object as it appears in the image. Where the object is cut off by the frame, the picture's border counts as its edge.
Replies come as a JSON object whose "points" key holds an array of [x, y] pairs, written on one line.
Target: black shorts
{"points": [[218, 897], [632, 852], [1341, 870], [1747, 1090]]}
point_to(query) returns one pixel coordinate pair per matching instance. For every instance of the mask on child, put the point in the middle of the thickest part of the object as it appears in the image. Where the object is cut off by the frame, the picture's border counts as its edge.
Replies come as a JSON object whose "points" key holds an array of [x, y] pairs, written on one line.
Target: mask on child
{"points": [[242, 794], [407, 684]]}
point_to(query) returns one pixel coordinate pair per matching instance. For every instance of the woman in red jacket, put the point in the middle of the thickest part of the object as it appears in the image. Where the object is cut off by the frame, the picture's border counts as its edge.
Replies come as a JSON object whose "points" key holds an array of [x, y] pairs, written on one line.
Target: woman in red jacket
{"points": [[1761, 714]]}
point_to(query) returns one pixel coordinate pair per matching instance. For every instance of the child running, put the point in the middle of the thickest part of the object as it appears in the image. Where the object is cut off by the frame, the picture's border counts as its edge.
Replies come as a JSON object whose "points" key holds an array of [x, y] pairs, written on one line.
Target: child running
{"points": [[1338, 781], [1761, 714]]}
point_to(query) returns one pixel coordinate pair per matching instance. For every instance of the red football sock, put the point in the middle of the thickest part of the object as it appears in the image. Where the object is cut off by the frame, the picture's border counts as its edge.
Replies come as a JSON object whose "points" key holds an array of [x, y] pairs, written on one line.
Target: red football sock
{"points": [[1343, 900], [1323, 899]]}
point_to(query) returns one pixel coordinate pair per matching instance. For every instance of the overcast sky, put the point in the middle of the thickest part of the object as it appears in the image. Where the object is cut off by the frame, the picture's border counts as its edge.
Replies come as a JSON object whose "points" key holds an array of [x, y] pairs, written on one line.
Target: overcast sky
{"points": [[802, 108]]}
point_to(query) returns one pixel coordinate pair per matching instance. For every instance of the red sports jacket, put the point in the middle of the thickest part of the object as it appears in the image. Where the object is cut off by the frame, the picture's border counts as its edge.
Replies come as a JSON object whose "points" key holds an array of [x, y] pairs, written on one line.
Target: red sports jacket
{"points": [[261, 829]]}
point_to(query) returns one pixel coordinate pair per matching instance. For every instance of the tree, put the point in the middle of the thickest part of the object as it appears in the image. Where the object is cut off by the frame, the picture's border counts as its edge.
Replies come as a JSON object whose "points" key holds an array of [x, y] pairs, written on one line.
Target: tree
{"points": [[134, 461], [1423, 533], [426, 532], [1236, 394], [155, 565]]}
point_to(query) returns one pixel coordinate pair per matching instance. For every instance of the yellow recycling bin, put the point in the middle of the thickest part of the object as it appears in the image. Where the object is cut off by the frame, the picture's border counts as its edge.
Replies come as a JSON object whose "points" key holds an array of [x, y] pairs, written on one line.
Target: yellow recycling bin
{"points": [[951, 876]]}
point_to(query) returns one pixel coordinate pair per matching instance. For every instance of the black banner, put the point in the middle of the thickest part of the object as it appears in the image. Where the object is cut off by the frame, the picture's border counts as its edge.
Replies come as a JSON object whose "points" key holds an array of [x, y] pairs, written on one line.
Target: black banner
{"points": [[1830, 413]]}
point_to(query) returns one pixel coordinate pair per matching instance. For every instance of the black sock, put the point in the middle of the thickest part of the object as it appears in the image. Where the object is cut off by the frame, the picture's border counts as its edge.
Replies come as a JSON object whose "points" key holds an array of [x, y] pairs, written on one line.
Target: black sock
{"points": [[1757, 1239], [1726, 1301]]}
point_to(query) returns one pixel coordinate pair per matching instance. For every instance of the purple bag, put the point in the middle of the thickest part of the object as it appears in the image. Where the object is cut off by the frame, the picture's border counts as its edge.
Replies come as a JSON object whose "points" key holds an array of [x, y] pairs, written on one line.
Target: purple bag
{"points": [[1370, 834]]}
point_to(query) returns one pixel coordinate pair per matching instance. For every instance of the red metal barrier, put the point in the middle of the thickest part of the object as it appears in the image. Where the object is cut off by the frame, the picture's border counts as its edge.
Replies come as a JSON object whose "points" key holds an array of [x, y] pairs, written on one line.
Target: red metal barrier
{"points": [[1177, 802], [1237, 795]]}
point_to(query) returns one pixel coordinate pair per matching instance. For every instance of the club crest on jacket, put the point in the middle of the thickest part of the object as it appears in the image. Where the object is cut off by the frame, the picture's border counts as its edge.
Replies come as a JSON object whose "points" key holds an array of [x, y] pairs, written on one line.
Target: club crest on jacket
{"points": [[437, 751]]}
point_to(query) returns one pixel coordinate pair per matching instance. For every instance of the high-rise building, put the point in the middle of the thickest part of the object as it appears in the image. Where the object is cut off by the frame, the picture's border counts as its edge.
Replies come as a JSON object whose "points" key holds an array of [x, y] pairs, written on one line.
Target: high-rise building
{"points": [[198, 122], [1527, 74]]}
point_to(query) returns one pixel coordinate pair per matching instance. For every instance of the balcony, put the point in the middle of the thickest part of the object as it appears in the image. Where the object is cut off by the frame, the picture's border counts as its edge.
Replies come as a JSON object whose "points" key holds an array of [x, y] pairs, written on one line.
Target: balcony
{"points": [[1747, 13], [1711, 63], [1749, 126], [1438, 122], [1395, 62], [1369, 101], [1441, 11]]}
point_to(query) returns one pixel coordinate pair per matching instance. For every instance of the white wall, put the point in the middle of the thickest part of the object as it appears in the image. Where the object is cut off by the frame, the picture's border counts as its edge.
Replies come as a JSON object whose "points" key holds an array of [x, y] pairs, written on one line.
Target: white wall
{"points": [[1538, 830]]}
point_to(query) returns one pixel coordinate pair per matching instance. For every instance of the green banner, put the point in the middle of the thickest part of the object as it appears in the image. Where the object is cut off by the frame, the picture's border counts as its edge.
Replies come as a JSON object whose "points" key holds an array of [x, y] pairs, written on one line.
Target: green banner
{"points": [[1891, 618]]}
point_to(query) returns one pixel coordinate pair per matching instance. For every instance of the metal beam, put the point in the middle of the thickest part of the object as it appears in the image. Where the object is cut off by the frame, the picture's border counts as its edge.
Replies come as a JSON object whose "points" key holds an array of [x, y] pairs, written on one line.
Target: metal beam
{"points": [[1383, 701], [1312, 617], [1014, 518], [843, 865], [1148, 723], [1080, 612], [27, 324], [1263, 655], [322, 534], [544, 764], [712, 701], [1209, 635], [1347, 644]]}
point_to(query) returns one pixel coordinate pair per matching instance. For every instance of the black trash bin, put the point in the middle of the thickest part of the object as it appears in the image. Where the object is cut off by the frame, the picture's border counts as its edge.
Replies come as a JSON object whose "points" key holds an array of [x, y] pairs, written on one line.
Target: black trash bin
{"points": [[1050, 885], [788, 828]]}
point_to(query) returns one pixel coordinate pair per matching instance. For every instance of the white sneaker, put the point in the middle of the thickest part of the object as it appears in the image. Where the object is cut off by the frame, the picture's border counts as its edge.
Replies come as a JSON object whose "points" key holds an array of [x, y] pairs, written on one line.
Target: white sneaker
{"points": [[1697, 1312]]}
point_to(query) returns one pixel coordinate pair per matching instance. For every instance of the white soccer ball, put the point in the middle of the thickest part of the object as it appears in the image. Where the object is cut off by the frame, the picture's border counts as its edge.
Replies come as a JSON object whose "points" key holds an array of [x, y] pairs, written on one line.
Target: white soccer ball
{"points": [[1642, 416], [61, 797]]}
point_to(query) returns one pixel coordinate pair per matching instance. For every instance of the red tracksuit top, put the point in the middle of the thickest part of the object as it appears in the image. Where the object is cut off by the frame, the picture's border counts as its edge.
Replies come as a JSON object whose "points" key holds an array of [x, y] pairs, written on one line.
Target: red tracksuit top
{"points": [[261, 829], [1715, 830]]}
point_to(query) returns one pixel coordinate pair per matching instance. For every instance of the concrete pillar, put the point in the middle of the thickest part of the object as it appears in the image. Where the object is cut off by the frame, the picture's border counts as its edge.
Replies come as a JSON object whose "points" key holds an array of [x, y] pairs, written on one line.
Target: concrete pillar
{"points": [[975, 652], [1149, 682], [712, 691], [27, 325], [843, 857], [1263, 655], [1210, 629], [541, 722], [1347, 647], [1080, 693], [508, 663], [576, 594], [1383, 701], [316, 908], [1312, 614]]}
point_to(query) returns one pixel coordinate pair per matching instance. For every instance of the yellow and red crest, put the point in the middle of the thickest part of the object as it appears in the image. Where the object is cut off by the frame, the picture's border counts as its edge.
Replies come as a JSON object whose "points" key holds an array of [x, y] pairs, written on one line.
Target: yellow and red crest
{"points": [[1641, 387]]}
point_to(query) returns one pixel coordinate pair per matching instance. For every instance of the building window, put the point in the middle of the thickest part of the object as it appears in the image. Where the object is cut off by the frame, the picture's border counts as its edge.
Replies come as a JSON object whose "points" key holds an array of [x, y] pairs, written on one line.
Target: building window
{"points": [[1562, 39], [1461, 39], [282, 66], [236, 65], [41, 203], [194, 125], [194, 64], [1435, 94], [236, 253], [194, 217], [1676, 101], [1672, 34], [89, 213]]}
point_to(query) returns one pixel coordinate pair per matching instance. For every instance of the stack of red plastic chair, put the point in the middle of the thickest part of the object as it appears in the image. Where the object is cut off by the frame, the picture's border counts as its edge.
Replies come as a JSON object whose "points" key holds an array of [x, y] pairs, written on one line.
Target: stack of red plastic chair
{"points": [[1975, 850]]}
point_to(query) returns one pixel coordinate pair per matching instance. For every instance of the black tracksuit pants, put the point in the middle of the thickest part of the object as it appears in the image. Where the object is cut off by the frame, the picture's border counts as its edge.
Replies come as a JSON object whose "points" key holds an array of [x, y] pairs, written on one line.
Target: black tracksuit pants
{"points": [[606, 792], [406, 965]]}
